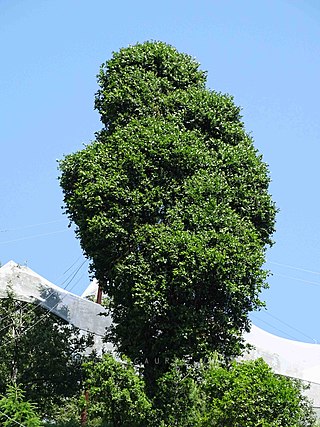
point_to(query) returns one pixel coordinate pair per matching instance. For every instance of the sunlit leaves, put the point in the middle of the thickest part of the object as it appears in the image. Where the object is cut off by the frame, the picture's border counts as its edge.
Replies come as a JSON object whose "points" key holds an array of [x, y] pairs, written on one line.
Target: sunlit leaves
{"points": [[171, 204]]}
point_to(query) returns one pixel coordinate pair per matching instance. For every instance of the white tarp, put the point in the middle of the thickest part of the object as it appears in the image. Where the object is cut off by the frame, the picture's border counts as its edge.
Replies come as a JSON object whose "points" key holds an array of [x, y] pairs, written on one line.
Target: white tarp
{"points": [[31, 287], [288, 357]]}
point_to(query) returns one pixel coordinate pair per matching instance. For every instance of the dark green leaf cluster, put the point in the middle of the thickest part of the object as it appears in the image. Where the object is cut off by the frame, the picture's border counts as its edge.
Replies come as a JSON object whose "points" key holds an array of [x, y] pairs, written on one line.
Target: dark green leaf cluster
{"points": [[250, 394], [41, 352], [137, 81], [171, 204], [116, 394]]}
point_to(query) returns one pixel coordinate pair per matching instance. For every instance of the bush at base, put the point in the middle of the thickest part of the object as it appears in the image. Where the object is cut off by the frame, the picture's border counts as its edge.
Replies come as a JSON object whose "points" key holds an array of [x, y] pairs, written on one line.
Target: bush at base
{"points": [[211, 395]]}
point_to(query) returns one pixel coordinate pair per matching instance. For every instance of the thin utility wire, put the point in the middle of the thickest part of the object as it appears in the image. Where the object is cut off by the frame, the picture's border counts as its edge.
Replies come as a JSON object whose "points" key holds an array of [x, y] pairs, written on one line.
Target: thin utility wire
{"points": [[294, 267], [11, 419], [40, 318], [34, 236], [35, 306], [44, 316], [53, 292], [22, 310], [290, 326], [25, 227], [6, 230], [298, 279], [67, 278], [69, 268], [74, 275], [277, 329], [310, 282]]}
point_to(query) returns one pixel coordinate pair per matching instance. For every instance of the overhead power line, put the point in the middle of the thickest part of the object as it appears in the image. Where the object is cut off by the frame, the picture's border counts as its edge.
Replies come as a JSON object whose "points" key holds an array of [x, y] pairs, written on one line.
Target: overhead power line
{"points": [[47, 314], [310, 282], [51, 310], [290, 326], [34, 236], [295, 268], [274, 327], [52, 293], [11, 419], [24, 227]]}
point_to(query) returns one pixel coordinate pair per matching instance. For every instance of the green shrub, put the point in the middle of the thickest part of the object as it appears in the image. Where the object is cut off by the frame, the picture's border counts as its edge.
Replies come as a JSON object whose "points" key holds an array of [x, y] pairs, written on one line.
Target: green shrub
{"points": [[249, 394], [14, 410], [116, 394], [244, 394]]}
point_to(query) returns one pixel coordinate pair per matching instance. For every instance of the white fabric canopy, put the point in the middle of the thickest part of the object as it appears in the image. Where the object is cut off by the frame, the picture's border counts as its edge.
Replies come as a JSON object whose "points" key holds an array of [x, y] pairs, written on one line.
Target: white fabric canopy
{"points": [[31, 287], [288, 357]]}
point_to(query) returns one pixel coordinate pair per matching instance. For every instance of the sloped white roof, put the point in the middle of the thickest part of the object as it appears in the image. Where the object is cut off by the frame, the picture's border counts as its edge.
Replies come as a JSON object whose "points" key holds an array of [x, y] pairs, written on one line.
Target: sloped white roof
{"points": [[288, 357], [292, 358], [31, 287]]}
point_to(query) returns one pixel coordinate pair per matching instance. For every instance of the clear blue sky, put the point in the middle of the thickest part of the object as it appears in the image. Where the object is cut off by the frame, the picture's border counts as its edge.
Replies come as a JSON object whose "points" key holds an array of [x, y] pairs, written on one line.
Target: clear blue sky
{"points": [[265, 53]]}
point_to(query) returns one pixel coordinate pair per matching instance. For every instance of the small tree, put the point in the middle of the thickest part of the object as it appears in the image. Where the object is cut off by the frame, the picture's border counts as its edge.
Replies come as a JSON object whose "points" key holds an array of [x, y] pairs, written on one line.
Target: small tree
{"points": [[16, 411], [246, 394], [171, 204], [116, 394], [250, 394], [179, 400], [210, 394]]}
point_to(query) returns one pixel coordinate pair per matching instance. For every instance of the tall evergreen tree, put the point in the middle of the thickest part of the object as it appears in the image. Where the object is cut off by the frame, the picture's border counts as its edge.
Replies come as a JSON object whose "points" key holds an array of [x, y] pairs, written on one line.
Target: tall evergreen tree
{"points": [[171, 205]]}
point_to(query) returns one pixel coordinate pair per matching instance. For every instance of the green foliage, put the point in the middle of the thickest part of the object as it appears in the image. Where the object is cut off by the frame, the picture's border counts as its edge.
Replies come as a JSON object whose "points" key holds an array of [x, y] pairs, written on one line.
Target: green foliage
{"points": [[15, 410], [41, 352], [250, 394], [67, 413], [171, 204], [207, 394], [116, 394], [179, 400], [136, 82], [242, 394]]}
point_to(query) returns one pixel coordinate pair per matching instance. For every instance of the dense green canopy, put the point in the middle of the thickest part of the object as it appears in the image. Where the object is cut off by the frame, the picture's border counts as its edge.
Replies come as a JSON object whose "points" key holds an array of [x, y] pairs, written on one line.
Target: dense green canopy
{"points": [[171, 204]]}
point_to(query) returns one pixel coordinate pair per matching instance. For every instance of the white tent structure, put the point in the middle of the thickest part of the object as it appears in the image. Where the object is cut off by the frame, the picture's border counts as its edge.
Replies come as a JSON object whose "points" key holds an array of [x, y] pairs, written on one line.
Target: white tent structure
{"points": [[289, 358], [286, 357], [31, 287]]}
